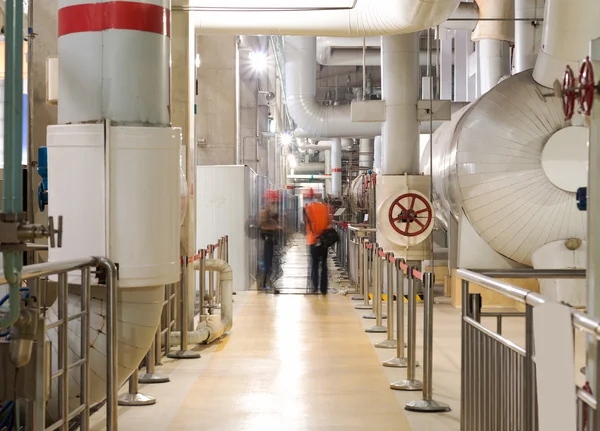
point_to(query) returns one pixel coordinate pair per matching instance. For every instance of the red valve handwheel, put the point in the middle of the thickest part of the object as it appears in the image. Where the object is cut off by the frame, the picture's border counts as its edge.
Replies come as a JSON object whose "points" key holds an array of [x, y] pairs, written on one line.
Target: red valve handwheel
{"points": [[587, 86], [414, 210], [568, 93]]}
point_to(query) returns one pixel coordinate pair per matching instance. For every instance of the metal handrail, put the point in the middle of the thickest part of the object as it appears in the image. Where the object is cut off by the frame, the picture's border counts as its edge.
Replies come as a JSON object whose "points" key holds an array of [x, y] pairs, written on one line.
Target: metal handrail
{"points": [[581, 321], [52, 268], [533, 273], [359, 228]]}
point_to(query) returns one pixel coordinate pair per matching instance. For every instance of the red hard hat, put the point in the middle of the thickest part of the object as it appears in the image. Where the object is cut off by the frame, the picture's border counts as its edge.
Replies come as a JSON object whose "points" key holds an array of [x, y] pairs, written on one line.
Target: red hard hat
{"points": [[271, 195], [310, 194]]}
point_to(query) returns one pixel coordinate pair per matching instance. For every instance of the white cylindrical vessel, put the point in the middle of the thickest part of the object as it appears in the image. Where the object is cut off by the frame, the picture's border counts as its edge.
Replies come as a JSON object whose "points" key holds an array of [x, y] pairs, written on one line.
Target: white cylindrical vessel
{"points": [[336, 167], [377, 154], [488, 162], [114, 62], [115, 165], [400, 88]]}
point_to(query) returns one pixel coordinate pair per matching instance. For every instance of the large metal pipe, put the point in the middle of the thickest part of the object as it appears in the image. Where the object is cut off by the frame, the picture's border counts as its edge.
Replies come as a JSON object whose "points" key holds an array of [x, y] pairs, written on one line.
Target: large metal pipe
{"points": [[528, 34], [365, 157], [309, 114], [336, 167], [400, 131], [365, 18]]}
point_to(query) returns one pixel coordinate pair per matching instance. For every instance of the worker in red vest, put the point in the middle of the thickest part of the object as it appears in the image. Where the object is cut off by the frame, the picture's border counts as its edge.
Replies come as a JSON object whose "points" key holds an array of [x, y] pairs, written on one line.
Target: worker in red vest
{"points": [[317, 218]]}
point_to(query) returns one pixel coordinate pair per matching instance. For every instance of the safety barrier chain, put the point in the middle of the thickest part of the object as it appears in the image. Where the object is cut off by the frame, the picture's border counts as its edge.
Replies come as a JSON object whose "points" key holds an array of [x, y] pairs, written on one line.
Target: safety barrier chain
{"points": [[175, 314]]}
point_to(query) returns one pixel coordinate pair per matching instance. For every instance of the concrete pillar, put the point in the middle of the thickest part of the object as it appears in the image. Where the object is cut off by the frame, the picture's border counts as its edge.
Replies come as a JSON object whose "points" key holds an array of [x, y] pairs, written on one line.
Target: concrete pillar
{"points": [[365, 158], [336, 167], [400, 89], [216, 101], [183, 76]]}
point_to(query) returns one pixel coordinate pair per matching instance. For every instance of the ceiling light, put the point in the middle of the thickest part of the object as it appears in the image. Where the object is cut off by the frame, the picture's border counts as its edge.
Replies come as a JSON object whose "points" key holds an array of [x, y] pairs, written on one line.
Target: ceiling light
{"points": [[258, 61]]}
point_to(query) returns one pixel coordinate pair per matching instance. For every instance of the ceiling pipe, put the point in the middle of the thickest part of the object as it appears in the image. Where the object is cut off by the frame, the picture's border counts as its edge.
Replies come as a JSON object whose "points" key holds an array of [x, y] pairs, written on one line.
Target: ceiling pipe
{"points": [[366, 18], [569, 25], [312, 117], [318, 167], [332, 56]]}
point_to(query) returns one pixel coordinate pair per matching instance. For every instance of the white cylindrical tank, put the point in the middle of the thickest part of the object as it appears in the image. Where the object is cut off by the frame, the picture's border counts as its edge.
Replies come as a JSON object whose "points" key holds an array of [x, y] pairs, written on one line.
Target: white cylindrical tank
{"points": [[490, 162], [121, 73], [115, 164]]}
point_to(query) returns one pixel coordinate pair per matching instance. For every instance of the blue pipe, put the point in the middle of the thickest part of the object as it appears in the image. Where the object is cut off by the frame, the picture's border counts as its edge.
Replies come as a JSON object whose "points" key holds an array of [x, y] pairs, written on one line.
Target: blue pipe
{"points": [[12, 192]]}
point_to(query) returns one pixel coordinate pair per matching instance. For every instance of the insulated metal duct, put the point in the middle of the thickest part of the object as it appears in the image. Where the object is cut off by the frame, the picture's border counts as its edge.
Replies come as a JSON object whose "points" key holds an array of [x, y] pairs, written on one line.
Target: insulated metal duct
{"points": [[366, 18], [487, 162]]}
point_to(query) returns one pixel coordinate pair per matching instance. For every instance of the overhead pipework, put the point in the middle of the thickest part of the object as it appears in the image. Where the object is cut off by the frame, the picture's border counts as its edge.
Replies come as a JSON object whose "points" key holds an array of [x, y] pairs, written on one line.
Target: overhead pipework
{"points": [[314, 118], [365, 18]]}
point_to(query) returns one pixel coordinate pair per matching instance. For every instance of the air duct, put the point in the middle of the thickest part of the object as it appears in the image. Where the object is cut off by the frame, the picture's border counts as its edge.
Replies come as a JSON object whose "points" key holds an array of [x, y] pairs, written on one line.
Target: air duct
{"points": [[366, 18], [315, 119]]}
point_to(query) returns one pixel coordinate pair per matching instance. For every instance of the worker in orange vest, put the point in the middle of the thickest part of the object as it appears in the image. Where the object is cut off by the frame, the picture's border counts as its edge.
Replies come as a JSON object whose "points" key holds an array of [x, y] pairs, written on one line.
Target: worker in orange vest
{"points": [[317, 218]]}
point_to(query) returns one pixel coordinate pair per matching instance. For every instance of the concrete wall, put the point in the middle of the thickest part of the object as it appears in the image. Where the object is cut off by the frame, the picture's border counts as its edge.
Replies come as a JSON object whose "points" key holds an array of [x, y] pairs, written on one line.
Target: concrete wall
{"points": [[216, 100]]}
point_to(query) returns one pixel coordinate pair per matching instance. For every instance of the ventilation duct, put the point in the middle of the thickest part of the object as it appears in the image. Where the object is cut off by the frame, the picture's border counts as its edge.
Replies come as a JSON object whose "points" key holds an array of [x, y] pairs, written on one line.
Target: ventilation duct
{"points": [[314, 118], [366, 18]]}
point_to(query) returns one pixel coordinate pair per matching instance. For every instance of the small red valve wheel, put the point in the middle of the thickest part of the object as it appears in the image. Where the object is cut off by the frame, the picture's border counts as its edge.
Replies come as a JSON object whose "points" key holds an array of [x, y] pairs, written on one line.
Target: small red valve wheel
{"points": [[568, 93], [587, 87], [410, 214]]}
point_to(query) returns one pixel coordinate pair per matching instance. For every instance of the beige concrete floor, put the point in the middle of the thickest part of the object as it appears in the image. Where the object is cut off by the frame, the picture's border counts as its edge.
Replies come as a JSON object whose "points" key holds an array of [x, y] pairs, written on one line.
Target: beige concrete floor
{"points": [[302, 362]]}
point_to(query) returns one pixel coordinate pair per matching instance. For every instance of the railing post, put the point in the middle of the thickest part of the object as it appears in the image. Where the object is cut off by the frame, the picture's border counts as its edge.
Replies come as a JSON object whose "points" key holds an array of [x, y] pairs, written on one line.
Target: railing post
{"points": [[133, 396], [464, 396], [202, 283], [427, 404], [529, 372], [211, 277], [364, 275], [399, 361], [150, 376], [183, 353], [359, 272], [389, 342], [377, 301], [410, 383]]}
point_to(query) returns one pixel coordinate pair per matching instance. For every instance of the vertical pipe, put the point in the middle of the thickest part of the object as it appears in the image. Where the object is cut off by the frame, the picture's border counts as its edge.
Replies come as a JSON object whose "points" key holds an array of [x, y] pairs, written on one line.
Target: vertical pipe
{"points": [[170, 298], [364, 69], [336, 167], [365, 274], [12, 191], [183, 309], [400, 131], [494, 62], [211, 279], [365, 156], [84, 346], [528, 34]]}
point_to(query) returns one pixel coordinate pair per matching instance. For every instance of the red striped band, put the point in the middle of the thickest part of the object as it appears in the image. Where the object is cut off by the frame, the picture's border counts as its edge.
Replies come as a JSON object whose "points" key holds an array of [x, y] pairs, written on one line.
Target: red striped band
{"points": [[116, 15], [336, 169]]}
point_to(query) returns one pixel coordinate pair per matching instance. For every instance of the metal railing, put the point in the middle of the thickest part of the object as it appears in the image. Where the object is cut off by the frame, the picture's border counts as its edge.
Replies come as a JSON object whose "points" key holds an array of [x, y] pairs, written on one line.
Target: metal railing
{"points": [[35, 323], [498, 379]]}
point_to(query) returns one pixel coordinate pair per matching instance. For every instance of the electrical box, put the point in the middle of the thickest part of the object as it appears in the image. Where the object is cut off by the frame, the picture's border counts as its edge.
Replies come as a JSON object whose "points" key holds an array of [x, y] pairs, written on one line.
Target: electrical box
{"points": [[52, 80], [368, 111]]}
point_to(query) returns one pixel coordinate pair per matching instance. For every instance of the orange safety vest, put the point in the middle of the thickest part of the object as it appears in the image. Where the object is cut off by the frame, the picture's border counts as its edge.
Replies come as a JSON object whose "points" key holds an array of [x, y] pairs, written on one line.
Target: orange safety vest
{"points": [[318, 220]]}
